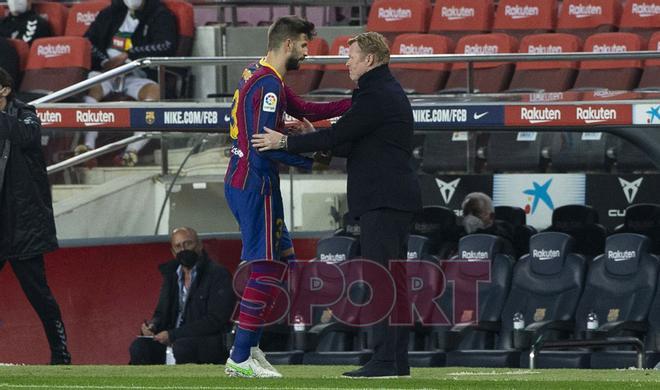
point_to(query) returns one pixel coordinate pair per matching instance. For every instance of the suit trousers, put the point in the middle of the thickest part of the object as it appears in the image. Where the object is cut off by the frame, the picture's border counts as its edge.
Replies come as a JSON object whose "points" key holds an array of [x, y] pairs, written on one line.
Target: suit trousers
{"points": [[31, 274], [383, 237], [187, 350]]}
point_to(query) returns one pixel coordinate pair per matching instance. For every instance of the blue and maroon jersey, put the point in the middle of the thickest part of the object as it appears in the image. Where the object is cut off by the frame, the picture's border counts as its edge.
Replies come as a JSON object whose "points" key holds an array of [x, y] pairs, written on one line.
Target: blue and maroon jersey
{"points": [[262, 100]]}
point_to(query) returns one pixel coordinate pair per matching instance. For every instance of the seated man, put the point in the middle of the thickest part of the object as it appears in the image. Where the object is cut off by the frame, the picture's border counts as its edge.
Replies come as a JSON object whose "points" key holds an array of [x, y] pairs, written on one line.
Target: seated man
{"points": [[125, 31], [194, 328], [479, 217], [23, 23], [9, 58]]}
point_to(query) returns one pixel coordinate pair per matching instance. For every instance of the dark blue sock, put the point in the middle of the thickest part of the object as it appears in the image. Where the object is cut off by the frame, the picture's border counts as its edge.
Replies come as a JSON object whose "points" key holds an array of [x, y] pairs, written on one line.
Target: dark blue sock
{"points": [[256, 336], [242, 343]]}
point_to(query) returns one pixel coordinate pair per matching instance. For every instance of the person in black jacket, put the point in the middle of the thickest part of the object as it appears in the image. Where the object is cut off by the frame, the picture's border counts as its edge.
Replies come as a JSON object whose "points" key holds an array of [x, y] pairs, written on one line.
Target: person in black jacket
{"points": [[23, 23], [376, 135], [195, 305], [27, 226], [9, 58], [125, 31], [479, 218]]}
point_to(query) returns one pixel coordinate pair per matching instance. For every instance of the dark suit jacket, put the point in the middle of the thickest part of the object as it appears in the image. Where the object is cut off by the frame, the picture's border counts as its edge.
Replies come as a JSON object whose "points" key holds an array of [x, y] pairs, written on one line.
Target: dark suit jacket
{"points": [[376, 134], [210, 301]]}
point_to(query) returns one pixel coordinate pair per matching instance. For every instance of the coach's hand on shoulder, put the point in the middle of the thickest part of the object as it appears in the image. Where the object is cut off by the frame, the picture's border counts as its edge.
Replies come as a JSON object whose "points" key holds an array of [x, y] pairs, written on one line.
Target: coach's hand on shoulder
{"points": [[270, 140]]}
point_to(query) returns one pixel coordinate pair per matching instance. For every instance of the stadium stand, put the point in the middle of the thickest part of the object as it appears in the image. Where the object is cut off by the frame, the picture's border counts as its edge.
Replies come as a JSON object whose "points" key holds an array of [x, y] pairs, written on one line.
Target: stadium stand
{"points": [[546, 76], [545, 289], [584, 18], [394, 17], [518, 151], [523, 17], [629, 158], [614, 75], [640, 17], [81, 15], [54, 13], [308, 77], [335, 77], [448, 152], [421, 78], [581, 223], [581, 152], [650, 80], [488, 77], [457, 18]]}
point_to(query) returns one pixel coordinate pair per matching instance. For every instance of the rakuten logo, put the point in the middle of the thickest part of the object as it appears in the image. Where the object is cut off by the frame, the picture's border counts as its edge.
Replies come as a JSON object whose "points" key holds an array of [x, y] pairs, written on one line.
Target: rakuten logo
{"points": [[593, 115], [86, 18], [343, 51], [94, 118], [518, 12], [534, 115], [455, 13], [546, 254], [609, 48], [48, 118], [333, 257], [481, 49], [621, 255], [474, 255], [51, 51], [584, 11], [412, 49], [394, 15], [541, 49], [645, 10]]}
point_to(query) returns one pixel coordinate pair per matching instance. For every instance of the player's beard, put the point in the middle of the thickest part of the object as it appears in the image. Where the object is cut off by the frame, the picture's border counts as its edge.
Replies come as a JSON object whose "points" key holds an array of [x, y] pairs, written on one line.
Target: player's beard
{"points": [[293, 62]]}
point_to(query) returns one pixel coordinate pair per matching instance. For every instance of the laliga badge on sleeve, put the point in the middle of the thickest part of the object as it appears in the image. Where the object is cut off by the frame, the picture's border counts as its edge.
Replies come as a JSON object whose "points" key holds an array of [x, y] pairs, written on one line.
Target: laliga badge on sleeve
{"points": [[270, 102]]}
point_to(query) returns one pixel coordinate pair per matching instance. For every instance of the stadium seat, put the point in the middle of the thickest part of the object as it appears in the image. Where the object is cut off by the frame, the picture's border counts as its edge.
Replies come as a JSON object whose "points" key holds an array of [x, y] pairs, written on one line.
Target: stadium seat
{"points": [[546, 76], [619, 289], [23, 51], [488, 77], [421, 77], [640, 17], [394, 17], [457, 18], [629, 158], [522, 232], [582, 18], [349, 227], [178, 80], [518, 151], [419, 248], [81, 15], [335, 77], [55, 63], [54, 13], [650, 80], [438, 224], [581, 223], [445, 151], [307, 78], [643, 218], [581, 151], [524, 17], [613, 75], [545, 289]]}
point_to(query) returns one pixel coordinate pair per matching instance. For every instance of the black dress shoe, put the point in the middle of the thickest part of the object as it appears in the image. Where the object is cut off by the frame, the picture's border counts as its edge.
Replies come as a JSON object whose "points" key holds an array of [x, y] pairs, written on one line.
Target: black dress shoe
{"points": [[374, 370]]}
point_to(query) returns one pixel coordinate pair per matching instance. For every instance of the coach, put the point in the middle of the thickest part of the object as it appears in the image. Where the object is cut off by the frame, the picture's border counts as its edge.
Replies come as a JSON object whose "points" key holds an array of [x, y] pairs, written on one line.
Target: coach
{"points": [[376, 135]]}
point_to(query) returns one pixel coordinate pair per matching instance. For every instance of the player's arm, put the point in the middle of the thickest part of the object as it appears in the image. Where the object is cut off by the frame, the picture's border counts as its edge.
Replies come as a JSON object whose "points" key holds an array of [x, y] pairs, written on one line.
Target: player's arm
{"points": [[267, 91], [314, 111]]}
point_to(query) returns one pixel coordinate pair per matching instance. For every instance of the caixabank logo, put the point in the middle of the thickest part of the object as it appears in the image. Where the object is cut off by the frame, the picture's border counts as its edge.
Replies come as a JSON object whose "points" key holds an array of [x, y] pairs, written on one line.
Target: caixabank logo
{"points": [[538, 194], [646, 114]]}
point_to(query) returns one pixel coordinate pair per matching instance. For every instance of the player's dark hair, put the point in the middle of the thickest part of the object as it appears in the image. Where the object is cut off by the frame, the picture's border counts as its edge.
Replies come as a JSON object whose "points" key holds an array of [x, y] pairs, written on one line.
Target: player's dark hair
{"points": [[7, 81], [288, 27]]}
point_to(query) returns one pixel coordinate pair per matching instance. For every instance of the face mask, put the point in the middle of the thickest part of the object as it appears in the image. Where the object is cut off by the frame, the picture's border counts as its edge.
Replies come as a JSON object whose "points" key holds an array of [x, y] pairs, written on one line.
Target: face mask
{"points": [[133, 5], [17, 7], [187, 258], [472, 224]]}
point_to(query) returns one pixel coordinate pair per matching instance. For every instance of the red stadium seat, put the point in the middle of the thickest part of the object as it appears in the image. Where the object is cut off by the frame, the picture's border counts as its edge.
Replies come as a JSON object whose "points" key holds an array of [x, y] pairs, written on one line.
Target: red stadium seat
{"points": [[425, 77], [185, 24], [55, 63], [335, 78], [23, 51], [54, 13], [615, 75], [488, 77], [307, 78], [81, 15], [457, 18], [547, 76], [651, 76], [393, 17], [641, 17], [525, 17], [587, 17]]}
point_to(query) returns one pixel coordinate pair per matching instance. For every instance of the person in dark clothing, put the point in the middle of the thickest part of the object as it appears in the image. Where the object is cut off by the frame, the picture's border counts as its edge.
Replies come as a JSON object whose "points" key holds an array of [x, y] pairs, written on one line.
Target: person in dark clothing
{"points": [[27, 226], [23, 23], [9, 58], [376, 135], [124, 31], [195, 305], [479, 217]]}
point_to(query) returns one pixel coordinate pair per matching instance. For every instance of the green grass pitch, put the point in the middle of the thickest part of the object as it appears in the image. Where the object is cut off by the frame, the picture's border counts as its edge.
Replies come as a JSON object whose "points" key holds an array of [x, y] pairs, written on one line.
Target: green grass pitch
{"points": [[316, 377]]}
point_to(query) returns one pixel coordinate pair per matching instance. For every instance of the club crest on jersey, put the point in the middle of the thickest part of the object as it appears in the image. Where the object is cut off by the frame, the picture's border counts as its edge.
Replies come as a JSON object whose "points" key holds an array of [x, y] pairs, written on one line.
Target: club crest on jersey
{"points": [[270, 102]]}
